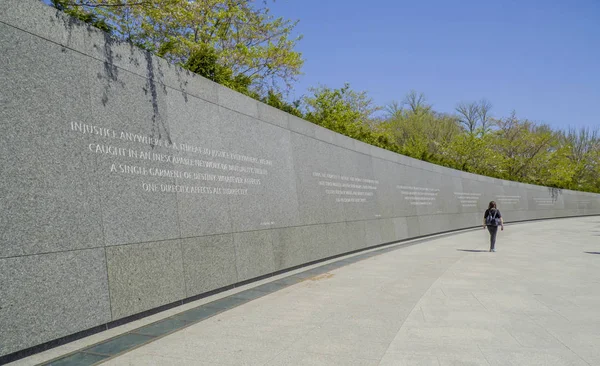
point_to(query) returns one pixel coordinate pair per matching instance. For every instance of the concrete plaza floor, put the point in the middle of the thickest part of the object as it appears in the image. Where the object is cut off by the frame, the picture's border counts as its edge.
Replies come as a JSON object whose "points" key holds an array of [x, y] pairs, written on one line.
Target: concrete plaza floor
{"points": [[447, 301]]}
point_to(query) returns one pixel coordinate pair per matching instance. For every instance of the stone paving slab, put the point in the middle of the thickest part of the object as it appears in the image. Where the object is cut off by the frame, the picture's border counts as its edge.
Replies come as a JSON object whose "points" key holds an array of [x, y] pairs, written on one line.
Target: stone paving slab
{"points": [[443, 302]]}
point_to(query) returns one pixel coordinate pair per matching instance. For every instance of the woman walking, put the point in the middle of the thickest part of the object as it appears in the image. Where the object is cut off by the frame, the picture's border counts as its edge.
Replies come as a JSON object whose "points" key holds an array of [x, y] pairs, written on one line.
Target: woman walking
{"points": [[492, 219]]}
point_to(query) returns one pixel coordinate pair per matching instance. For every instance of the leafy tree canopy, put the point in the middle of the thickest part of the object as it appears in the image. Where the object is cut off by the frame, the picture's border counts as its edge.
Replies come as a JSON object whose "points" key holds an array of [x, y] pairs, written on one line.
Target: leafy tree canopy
{"points": [[246, 44], [237, 43]]}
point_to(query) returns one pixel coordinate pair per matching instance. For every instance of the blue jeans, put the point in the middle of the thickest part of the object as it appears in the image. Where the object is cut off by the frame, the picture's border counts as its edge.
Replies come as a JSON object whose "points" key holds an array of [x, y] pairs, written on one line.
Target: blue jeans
{"points": [[493, 231]]}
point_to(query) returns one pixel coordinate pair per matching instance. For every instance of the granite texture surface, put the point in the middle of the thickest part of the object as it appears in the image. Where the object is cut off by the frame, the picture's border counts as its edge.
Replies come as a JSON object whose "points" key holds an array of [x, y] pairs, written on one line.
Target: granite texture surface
{"points": [[133, 109], [208, 263], [144, 276], [48, 296], [50, 199], [197, 123], [125, 175], [254, 254]]}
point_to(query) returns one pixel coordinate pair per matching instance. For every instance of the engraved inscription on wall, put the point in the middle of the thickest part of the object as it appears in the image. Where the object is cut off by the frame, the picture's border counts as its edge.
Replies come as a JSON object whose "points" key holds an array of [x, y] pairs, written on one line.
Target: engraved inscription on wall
{"points": [[544, 201], [198, 170], [508, 200], [347, 189], [468, 199], [419, 196]]}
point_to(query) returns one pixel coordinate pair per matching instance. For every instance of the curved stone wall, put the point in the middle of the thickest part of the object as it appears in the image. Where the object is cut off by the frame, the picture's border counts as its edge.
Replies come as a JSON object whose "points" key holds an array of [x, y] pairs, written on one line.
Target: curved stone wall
{"points": [[128, 184]]}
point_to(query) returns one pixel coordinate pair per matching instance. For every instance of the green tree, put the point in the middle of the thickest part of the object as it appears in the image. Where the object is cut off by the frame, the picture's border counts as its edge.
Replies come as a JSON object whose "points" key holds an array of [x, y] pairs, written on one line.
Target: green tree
{"points": [[204, 61], [275, 99], [418, 131], [525, 147], [239, 35], [237, 43], [348, 112], [582, 150], [554, 169], [82, 14], [475, 154], [344, 106]]}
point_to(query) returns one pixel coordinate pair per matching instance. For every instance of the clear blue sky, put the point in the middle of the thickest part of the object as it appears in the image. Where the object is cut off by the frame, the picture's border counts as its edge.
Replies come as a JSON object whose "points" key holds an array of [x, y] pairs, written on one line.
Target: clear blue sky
{"points": [[541, 58]]}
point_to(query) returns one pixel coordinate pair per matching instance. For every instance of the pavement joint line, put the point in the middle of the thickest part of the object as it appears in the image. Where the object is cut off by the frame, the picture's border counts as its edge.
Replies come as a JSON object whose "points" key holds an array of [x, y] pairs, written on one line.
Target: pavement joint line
{"points": [[476, 298], [558, 340], [338, 262], [483, 354], [320, 270], [426, 291]]}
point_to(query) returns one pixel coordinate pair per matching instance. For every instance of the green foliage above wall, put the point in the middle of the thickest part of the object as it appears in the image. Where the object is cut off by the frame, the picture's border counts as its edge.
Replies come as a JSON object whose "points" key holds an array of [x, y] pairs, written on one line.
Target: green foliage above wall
{"points": [[240, 45]]}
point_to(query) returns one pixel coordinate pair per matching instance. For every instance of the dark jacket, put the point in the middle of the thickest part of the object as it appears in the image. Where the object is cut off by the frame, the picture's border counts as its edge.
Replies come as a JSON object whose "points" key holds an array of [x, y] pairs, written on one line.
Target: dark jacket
{"points": [[491, 212]]}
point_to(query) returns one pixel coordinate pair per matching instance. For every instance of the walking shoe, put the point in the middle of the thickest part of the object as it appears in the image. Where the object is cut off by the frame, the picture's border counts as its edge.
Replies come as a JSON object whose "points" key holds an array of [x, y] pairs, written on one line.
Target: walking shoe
{"points": [[493, 250]]}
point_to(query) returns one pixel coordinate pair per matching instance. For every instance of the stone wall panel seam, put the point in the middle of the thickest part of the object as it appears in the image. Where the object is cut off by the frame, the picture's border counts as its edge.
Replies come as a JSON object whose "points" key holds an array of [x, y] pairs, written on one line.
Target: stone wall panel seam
{"points": [[186, 186]]}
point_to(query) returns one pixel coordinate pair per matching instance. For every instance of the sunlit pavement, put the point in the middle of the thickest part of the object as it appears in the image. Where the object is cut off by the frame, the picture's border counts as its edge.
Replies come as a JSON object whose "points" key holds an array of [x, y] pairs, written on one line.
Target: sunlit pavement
{"points": [[447, 301]]}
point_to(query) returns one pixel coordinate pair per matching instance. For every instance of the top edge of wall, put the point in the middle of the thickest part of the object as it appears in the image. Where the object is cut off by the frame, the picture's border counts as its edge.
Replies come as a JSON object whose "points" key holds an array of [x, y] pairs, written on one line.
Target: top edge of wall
{"points": [[44, 21]]}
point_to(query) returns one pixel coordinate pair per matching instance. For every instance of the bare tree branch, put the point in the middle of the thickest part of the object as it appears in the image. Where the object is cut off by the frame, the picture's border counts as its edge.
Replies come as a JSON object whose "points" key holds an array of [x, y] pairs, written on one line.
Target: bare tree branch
{"points": [[484, 114], [416, 102], [468, 115]]}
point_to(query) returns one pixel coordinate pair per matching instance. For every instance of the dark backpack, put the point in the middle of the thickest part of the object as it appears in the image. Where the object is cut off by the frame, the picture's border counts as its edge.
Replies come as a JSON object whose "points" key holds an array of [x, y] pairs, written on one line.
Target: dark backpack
{"points": [[492, 218]]}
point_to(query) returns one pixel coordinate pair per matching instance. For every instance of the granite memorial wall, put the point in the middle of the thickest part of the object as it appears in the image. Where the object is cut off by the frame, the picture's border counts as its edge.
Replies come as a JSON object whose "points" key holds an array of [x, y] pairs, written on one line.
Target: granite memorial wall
{"points": [[128, 184]]}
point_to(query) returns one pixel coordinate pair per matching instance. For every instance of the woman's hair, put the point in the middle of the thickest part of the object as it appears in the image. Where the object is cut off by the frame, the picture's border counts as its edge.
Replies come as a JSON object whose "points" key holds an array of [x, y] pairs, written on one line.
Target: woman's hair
{"points": [[492, 205]]}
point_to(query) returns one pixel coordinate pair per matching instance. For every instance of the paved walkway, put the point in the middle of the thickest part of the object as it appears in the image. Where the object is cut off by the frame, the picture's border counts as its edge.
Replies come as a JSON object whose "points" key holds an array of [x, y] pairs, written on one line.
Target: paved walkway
{"points": [[444, 302]]}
